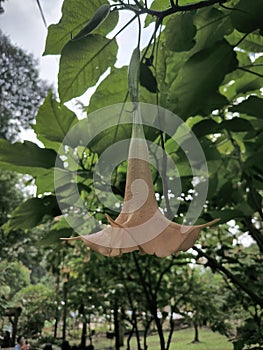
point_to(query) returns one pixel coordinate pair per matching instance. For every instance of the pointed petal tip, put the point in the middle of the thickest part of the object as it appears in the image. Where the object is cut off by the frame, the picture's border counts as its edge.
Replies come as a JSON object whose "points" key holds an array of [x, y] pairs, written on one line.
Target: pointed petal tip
{"points": [[112, 222], [214, 221], [210, 223]]}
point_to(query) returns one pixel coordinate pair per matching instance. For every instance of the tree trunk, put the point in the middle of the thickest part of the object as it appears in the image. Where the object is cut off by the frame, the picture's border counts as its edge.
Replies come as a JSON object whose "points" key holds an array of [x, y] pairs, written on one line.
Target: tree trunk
{"points": [[56, 327], [57, 309], [116, 327], [129, 339], [65, 297], [84, 334], [196, 337], [159, 330], [171, 330], [135, 323], [147, 327]]}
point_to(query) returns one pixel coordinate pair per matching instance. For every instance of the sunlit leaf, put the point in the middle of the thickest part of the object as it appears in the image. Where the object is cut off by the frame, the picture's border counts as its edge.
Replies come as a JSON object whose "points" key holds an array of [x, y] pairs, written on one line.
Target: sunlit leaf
{"points": [[53, 122], [82, 63], [75, 15]]}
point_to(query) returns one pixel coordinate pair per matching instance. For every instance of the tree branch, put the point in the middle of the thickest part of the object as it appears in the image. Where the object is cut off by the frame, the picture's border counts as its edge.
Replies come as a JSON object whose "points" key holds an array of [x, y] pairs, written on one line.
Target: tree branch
{"points": [[213, 263], [177, 8]]}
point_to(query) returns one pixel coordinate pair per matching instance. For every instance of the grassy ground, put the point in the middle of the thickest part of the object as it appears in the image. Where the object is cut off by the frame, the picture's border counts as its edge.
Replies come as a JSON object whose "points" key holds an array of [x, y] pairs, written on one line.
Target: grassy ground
{"points": [[181, 341]]}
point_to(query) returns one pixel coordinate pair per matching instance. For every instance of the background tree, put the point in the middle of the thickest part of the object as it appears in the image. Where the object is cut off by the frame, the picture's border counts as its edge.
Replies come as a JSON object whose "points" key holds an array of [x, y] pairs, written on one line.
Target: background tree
{"points": [[22, 91]]}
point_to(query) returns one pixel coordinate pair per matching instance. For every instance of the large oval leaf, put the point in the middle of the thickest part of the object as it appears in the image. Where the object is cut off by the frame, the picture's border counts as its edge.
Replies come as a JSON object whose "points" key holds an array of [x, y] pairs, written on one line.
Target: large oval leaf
{"points": [[180, 32], [26, 158], [82, 63], [53, 121], [195, 89]]}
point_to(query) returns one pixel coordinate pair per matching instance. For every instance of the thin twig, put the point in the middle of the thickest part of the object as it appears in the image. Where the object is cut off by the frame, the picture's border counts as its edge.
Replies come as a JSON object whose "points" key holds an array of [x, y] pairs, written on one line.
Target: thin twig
{"points": [[42, 13], [178, 8]]}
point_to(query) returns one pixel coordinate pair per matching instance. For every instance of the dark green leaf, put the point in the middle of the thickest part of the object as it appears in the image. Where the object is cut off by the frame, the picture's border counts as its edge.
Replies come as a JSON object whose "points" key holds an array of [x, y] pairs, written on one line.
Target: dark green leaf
{"points": [[247, 16], [252, 106], [206, 127], [195, 90], [26, 158], [53, 237], [75, 15], [237, 125], [82, 63], [212, 26], [30, 213], [53, 122], [147, 79], [226, 215], [96, 20], [179, 32]]}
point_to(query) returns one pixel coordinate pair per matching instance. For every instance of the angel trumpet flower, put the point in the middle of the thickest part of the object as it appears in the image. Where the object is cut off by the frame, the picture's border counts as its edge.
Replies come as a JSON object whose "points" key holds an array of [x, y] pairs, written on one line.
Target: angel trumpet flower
{"points": [[141, 225]]}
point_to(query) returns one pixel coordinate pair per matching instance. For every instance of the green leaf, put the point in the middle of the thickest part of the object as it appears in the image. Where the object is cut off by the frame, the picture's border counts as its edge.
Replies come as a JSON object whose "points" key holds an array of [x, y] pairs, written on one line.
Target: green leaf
{"points": [[53, 122], [242, 82], [247, 16], [205, 127], [237, 125], [147, 79], [45, 181], [111, 90], [26, 158], [75, 15], [179, 32], [82, 63], [212, 26], [96, 20], [53, 237], [252, 106], [31, 213], [253, 42], [195, 90], [133, 75], [226, 215]]}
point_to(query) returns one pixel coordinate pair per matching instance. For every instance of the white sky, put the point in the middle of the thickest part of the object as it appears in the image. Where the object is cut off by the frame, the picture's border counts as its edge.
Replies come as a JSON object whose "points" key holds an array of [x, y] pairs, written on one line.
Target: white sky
{"points": [[22, 22]]}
